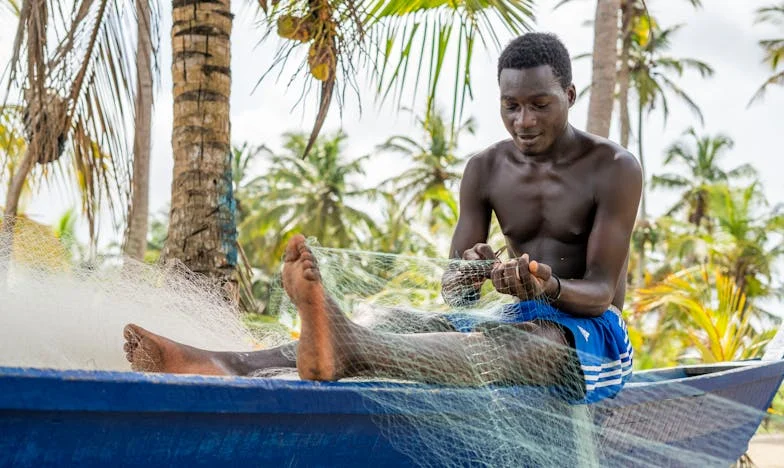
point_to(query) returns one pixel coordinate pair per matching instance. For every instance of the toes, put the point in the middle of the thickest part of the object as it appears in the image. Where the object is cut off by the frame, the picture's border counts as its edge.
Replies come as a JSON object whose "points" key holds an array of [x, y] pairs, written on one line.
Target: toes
{"points": [[294, 248], [311, 274], [130, 333], [303, 248]]}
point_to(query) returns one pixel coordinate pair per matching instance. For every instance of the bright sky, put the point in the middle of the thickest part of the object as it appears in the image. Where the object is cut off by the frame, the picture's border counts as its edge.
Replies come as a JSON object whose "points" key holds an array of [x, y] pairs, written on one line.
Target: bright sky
{"points": [[722, 33]]}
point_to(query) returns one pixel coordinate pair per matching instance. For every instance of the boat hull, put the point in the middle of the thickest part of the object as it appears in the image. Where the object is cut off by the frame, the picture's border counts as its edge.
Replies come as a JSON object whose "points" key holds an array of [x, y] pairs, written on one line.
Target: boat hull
{"points": [[50, 417]]}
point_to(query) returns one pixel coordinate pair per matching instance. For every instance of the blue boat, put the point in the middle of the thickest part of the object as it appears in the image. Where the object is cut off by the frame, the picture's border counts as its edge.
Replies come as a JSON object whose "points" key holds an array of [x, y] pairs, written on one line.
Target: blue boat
{"points": [[706, 414]]}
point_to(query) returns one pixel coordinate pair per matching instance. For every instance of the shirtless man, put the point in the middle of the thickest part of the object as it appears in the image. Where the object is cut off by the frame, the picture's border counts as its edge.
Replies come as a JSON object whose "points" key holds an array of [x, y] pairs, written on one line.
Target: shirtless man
{"points": [[566, 202]]}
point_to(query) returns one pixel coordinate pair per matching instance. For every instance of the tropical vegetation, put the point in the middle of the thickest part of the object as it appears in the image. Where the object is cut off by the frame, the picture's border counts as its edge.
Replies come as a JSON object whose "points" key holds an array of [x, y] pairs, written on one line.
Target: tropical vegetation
{"points": [[77, 111]]}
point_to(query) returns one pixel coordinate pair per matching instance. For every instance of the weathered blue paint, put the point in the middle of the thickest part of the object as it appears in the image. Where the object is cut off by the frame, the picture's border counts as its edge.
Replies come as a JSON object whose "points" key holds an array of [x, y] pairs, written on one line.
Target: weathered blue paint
{"points": [[81, 418]]}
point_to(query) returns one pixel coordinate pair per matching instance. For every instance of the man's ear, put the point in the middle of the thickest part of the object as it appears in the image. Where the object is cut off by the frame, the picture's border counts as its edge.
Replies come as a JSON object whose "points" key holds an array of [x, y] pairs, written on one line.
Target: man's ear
{"points": [[571, 94]]}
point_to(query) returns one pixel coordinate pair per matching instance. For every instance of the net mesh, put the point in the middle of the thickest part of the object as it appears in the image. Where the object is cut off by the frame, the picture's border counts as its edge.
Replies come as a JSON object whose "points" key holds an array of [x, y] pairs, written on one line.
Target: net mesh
{"points": [[504, 394]]}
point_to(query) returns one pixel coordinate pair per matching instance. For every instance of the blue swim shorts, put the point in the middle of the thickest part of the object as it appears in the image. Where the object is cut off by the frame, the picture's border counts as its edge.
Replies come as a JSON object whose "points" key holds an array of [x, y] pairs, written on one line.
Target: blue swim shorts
{"points": [[601, 343]]}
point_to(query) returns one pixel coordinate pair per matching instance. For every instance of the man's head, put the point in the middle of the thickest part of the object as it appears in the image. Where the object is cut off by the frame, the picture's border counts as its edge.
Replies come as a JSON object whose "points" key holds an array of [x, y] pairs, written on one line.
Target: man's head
{"points": [[535, 78]]}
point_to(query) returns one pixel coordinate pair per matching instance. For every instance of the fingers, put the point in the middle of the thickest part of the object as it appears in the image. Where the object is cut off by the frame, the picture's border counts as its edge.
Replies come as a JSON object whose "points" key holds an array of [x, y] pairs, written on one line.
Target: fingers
{"points": [[522, 267], [521, 277], [499, 278], [470, 254], [485, 251], [479, 252], [540, 270]]}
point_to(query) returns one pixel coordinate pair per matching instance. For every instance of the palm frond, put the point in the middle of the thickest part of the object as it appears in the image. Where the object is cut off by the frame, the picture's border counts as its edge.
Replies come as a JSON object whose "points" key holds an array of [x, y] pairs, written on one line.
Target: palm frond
{"points": [[86, 68], [670, 181], [777, 79], [386, 35]]}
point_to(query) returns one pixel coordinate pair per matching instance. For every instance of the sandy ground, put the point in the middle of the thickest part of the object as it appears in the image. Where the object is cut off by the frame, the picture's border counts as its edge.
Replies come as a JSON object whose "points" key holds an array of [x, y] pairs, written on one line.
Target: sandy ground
{"points": [[767, 450]]}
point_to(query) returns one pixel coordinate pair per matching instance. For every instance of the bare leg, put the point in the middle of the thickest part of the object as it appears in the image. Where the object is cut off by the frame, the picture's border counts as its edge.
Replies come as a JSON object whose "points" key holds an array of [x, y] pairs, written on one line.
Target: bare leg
{"points": [[148, 352], [332, 347]]}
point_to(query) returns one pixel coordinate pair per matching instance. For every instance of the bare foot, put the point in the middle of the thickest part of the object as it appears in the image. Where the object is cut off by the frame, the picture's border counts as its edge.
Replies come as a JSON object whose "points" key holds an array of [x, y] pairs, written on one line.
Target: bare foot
{"points": [[148, 352], [321, 353]]}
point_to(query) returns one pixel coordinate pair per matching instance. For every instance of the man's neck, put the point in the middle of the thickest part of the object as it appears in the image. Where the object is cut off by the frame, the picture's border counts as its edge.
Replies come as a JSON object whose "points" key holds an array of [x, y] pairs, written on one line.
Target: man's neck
{"points": [[558, 151]]}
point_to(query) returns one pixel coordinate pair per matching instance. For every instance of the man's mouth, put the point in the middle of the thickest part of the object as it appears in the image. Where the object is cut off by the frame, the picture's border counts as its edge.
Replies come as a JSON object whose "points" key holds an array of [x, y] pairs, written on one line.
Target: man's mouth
{"points": [[528, 139]]}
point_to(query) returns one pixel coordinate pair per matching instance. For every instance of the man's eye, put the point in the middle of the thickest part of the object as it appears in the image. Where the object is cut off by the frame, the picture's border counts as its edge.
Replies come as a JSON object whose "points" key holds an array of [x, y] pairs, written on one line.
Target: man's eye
{"points": [[541, 106], [510, 105]]}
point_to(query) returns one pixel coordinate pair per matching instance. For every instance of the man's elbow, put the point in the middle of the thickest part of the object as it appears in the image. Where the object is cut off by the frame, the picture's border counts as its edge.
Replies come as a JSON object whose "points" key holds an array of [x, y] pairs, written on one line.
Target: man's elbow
{"points": [[596, 311], [604, 303]]}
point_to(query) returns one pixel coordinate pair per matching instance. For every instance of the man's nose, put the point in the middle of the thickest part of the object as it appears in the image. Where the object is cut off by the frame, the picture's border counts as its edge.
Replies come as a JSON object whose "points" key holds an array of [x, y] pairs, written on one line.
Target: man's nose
{"points": [[525, 119]]}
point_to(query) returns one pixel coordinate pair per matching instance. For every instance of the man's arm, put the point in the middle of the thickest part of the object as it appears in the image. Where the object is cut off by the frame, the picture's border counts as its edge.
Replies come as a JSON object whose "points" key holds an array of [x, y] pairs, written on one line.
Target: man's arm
{"points": [[473, 222], [618, 198], [473, 225]]}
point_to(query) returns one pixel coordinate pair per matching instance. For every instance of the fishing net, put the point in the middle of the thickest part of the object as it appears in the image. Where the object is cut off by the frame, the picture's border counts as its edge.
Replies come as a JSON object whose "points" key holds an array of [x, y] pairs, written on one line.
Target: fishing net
{"points": [[510, 395], [61, 314], [495, 393]]}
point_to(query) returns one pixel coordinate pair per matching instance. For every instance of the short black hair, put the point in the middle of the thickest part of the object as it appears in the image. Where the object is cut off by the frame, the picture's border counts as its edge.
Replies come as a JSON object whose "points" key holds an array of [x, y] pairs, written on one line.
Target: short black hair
{"points": [[535, 49]]}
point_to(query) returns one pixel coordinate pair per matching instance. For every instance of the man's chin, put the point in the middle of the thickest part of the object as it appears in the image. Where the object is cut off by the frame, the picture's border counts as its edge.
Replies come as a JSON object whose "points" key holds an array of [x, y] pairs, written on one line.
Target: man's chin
{"points": [[529, 149]]}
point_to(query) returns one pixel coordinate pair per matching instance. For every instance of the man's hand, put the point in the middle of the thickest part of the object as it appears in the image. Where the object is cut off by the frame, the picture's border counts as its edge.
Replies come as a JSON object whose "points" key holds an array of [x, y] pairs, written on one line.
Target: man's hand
{"points": [[479, 252], [476, 274], [463, 280], [523, 278]]}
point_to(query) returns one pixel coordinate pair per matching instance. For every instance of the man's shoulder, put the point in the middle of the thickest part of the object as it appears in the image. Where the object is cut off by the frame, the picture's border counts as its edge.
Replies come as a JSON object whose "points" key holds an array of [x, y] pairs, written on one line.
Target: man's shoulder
{"points": [[612, 157], [490, 155]]}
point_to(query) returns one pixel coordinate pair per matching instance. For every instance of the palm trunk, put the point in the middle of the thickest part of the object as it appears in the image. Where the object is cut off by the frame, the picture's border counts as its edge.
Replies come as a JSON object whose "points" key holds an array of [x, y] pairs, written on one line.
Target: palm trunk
{"points": [[202, 229], [643, 207], [740, 275], [605, 55], [136, 239], [623, 72], [35, 107], [12, 206]]}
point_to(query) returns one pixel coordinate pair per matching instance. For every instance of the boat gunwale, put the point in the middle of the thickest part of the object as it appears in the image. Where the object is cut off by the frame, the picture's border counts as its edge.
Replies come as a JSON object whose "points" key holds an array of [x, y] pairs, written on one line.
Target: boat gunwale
{"points": [[193, 393]]}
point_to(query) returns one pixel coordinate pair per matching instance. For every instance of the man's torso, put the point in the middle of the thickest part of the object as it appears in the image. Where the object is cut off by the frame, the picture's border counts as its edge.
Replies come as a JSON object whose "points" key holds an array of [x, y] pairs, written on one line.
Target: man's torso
{"points": [[547, 210]]}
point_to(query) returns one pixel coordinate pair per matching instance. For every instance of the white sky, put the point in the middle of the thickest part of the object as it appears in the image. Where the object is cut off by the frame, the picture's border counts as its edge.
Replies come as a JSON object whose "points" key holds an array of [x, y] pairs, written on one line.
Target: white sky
{"points": [[722, 33]]}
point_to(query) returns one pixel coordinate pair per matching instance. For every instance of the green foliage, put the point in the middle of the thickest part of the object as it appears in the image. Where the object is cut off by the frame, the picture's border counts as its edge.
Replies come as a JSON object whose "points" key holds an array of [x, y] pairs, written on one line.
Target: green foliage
{"points": [[312, 195], [156, 235], [654, 74], [706, 312], [319, 196], [749, 237], [773, 48], [701, 163], [394, 41], [429, 185]]}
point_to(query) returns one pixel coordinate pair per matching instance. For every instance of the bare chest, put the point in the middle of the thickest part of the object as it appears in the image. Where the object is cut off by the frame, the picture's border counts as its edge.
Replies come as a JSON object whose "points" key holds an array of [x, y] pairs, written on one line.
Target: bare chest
{"points": [[534, 203]]}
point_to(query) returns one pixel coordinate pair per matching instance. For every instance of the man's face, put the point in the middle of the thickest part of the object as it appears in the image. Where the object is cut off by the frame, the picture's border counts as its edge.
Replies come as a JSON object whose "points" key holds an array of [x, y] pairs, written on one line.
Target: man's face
{"points": [[534, 107]]}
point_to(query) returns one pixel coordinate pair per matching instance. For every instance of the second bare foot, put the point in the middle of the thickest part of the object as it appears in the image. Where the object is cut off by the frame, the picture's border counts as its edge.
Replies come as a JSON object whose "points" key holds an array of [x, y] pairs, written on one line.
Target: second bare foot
{"points": [[148, 352], [326, 332]]}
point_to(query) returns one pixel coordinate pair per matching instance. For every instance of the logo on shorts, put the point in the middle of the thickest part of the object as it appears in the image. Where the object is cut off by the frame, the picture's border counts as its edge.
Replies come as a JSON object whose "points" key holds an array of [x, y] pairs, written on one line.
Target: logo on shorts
{"points": [[584, 332]]}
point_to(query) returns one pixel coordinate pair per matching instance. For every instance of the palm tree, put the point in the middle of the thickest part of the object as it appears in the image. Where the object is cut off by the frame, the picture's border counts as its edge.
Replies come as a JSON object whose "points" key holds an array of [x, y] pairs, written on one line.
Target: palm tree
{"points": [[71, 73], [202, 228], [13, 146], [138, 210], [436, 170], [397, 231], [635, 27], [649, 76], [315, 195], [398, 40], [605, 51], [243, 157], [701, 160], [384, 34], [774, 48], [748, 242], [705, 309]]}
